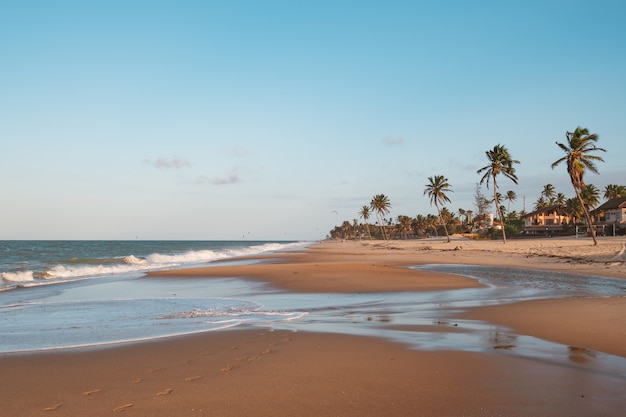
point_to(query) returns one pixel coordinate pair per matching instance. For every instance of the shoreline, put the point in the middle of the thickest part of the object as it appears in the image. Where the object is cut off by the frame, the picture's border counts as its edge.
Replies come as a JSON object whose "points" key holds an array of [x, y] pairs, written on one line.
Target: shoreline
{"points": [[256, 371]]}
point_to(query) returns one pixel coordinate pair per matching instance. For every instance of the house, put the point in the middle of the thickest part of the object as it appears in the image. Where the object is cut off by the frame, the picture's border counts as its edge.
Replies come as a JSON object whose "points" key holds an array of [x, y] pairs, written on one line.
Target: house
{"points": [[547, 219], [610, 218]]}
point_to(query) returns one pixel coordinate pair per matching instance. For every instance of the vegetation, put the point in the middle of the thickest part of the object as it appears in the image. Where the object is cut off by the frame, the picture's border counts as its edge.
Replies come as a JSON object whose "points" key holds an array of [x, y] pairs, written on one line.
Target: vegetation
{"points": [[381, 205], [436, 189], [500, 163], [579, 157]]}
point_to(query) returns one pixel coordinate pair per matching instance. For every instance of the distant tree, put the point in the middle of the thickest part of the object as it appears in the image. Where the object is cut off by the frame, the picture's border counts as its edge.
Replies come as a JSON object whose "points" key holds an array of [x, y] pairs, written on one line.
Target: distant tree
{"points": [[347, 228], [560, 199], [500, 163], [573, 209], [541, 203], [381, 205], [481, 202], [510, 196], [612, 191], [579, 158], [591, 196], [549, 193], [421, 224], [436, 189], [365, 215], [404, 223]]}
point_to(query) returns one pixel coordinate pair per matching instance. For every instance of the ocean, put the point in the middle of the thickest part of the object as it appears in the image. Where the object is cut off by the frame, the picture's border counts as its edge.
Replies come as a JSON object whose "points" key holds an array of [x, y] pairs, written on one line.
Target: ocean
{"points": [[68, 294], [85, 294]]}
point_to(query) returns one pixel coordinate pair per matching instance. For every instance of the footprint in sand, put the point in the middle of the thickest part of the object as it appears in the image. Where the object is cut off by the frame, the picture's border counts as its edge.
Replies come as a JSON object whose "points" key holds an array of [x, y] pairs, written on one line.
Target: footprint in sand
{"points": [[165, 392], [137, 381], [122, 407], [193, 378], [52, 407]]}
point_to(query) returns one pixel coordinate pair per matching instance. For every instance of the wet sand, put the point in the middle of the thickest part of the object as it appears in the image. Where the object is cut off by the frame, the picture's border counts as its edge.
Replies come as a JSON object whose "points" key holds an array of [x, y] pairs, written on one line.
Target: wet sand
{"points": [[262, 372]]}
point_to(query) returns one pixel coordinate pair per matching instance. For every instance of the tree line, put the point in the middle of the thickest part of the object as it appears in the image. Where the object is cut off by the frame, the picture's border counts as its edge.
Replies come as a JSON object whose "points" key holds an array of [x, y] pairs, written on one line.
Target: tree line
{"points": [[580, 156]]}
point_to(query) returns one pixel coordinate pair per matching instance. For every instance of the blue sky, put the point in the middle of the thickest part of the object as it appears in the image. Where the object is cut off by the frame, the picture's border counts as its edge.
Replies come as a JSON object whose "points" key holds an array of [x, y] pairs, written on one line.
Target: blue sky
{"points": [[259, 119]]}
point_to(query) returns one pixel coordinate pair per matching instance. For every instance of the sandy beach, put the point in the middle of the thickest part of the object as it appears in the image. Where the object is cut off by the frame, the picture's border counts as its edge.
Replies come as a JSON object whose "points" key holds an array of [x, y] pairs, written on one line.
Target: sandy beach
{"points": [[260, 372]]}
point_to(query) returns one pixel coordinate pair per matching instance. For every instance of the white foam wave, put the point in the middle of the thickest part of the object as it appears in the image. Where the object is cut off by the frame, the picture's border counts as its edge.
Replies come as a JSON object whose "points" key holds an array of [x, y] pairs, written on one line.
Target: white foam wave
{"points": [[132, 264], [22, 276]]}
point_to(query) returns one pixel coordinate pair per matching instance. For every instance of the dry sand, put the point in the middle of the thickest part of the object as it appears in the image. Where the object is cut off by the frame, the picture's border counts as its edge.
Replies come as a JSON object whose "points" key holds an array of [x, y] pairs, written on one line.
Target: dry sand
{"points": [[261, 373]]}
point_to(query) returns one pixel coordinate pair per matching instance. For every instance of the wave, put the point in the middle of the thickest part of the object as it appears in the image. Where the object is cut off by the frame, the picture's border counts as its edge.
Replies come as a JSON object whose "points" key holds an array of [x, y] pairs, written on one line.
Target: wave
{"points": [[78, 268]]}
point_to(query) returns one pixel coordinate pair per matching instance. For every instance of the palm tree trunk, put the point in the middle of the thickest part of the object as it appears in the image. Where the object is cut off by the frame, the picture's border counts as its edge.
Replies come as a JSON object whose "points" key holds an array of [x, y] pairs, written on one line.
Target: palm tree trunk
{"points": [[445, 229], [587, 216], [497, 203]]}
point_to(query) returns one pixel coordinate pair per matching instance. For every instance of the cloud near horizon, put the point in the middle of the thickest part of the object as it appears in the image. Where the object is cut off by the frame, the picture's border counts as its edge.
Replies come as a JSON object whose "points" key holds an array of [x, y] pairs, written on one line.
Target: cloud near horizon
{"points": [[173, 163], [232, 178], [391, 141]]}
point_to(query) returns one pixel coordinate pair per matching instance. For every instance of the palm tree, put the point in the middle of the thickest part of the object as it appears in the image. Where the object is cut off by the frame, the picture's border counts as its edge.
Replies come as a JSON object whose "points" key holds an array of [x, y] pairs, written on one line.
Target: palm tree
{"points": [[541, 203], [365, 215], [500, 162], [404, 222], [510, 196], [549, 193], [579, 158], [421, 224], [591, 196], [381, 205], [436, 189], [612, 191], [573, 209]]}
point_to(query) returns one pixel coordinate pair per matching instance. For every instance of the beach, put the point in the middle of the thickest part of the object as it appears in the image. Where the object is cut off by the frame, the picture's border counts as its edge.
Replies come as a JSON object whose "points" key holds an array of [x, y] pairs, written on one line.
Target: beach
{"points": [[261, 371]]}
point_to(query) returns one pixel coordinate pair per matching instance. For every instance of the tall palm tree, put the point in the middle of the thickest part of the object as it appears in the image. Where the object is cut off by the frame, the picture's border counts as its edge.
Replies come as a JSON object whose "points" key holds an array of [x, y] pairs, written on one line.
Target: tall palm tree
{"points": [[500, 162], [365, 215], [436, 189], [579, 158], [510, 196], [612, 191], [381, 205]]}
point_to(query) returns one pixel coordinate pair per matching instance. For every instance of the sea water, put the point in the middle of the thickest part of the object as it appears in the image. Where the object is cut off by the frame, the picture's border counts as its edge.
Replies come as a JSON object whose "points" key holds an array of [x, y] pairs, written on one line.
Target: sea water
{"points": [[63, 294], [77, 294]]}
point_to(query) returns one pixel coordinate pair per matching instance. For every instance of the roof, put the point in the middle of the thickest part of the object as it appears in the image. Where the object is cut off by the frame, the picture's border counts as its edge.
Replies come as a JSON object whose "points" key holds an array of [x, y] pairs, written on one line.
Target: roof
{"points": [[614, 203]]}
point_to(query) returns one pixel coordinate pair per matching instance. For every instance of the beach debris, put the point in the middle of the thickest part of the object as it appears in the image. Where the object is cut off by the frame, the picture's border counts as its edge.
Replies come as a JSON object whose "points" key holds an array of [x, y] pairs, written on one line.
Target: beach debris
{"points": [[93, 391], [123, 407], [53, 407]]}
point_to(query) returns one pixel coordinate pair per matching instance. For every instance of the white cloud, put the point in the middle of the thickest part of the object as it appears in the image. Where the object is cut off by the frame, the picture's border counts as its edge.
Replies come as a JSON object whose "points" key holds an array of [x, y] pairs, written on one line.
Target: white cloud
{"points": [[232, 178], [173, 163], [391, 141]]}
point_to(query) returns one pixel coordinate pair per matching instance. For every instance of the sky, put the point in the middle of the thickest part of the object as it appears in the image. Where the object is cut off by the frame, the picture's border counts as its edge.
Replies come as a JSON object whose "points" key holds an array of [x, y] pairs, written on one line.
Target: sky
{"points": [[268, 120]]}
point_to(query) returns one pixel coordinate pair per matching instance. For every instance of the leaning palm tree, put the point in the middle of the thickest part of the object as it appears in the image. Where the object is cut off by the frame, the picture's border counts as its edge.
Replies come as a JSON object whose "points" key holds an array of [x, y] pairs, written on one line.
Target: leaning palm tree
{"points": [[381, 205], [365, 215], [579, 158], [500, 162], [436, 189]]}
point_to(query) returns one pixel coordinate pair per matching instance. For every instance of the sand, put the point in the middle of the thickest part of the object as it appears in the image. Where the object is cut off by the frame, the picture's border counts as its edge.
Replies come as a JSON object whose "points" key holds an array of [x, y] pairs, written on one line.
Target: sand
{"points": [[258, 372]]}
